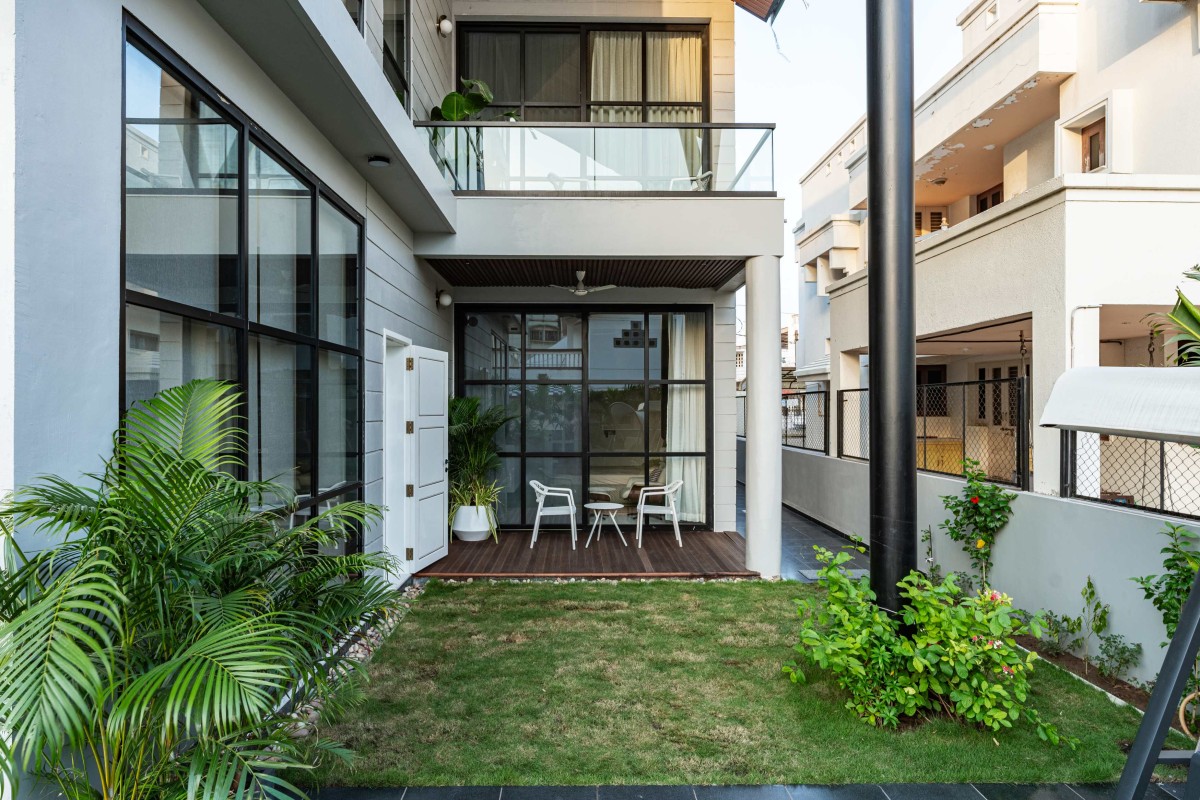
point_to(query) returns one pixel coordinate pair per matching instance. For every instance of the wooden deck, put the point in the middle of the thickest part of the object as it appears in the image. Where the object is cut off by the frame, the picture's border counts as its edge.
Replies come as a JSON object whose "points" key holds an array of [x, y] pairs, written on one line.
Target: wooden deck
{"points": [[705, 554]]}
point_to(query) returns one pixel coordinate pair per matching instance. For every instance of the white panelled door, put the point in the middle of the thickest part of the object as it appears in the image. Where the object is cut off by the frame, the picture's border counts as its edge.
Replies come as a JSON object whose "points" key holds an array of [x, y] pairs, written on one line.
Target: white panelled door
{"points": [[429, 387]]}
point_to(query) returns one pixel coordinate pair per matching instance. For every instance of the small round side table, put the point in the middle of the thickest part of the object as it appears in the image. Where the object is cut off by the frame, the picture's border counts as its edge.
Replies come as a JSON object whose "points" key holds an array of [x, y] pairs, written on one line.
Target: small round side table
{"points": [[600, 510]]}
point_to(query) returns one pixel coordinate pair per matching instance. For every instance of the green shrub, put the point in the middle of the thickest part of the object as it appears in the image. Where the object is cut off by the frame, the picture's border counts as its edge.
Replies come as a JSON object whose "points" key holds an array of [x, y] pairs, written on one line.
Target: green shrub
{"points": [[945, 653], [1060, 633], [1117, 656], [976, 516]]}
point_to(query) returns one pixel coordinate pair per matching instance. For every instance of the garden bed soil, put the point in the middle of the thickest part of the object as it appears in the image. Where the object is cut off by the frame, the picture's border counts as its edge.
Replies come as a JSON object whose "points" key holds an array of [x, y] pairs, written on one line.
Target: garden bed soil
{"points": [[1138, 698]]}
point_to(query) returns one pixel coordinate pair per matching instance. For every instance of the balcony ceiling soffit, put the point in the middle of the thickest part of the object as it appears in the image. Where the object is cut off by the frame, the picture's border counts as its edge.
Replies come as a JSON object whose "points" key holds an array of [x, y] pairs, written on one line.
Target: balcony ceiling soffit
{"points": [[631, 273], [972, 159]]}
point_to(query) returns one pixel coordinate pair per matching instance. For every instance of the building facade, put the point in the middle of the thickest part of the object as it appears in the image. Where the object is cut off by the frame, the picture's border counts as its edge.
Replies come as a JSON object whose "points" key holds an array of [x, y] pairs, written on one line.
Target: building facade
{"points": [[1055, 202], [257, 192]]}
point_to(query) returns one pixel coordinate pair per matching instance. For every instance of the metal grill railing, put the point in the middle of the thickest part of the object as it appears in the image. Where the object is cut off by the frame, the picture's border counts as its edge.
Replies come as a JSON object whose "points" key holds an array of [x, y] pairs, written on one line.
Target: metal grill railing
{"points": [[804, 417], [1138, 473], [983, 421], [806, 420]]}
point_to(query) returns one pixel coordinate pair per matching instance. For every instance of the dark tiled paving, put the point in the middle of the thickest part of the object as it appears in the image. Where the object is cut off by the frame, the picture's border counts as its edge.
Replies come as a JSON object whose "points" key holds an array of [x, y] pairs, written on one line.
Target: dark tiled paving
{"points": [[645, 793], [1009, 791], [800, 534], [549, 793], [932, 791], [863, 792], [447, 793], [741, 793]]}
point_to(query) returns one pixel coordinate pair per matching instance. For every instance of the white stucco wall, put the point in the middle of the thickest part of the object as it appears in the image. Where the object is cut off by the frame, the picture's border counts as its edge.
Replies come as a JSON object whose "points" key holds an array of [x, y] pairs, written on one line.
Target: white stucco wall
{"points": [[67, 243], [1028, 161]]}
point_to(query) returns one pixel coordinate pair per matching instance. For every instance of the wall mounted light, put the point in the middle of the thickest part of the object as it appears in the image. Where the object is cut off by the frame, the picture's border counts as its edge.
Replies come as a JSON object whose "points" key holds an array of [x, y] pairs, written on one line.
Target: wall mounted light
{"points": [[445, 26], [443, 298], [378, 161]]}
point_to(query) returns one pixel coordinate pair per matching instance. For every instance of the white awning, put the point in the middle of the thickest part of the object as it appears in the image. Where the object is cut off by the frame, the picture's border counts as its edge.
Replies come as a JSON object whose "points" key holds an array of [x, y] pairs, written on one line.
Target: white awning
{"points": [[1145, 402], [818, 369]]}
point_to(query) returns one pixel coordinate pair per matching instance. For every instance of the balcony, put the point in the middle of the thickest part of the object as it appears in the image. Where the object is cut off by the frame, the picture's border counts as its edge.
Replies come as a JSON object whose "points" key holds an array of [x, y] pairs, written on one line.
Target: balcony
{"points": [[715, 159]]}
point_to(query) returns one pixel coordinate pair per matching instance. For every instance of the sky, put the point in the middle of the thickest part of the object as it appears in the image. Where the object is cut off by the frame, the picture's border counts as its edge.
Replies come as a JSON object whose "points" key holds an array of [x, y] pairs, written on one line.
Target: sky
{"points": [[813, 85]]}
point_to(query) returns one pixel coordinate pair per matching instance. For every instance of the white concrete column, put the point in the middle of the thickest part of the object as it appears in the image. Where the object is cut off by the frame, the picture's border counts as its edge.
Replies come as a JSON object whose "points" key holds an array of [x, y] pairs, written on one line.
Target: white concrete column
{"points": [[764, 429]]}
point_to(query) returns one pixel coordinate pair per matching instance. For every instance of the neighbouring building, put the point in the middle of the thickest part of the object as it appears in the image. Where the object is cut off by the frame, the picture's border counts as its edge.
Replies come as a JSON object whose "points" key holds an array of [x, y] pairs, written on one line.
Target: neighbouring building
{"points": [[1057, 204], [255, 191]]}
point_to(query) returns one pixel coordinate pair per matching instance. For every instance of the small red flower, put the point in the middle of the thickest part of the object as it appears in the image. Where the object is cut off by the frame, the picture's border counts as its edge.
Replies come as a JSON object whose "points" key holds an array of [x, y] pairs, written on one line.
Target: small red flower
{"points": [[975, 500]]}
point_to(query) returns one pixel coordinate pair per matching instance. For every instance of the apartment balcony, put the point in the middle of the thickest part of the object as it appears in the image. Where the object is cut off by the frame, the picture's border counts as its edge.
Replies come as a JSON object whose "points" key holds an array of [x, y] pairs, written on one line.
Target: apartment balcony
{"points": [[590, 158]]}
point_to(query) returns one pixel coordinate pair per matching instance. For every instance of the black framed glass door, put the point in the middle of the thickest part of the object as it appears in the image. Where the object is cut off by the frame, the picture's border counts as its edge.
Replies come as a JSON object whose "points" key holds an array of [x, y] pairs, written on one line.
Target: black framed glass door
{"points": [[608, 400]]}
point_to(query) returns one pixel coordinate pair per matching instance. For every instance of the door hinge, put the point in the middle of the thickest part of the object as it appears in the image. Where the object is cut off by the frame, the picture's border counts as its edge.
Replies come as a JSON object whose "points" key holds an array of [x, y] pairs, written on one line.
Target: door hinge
{"points": [[408, 554], [409, 426], [408, 364], [408, 490]]}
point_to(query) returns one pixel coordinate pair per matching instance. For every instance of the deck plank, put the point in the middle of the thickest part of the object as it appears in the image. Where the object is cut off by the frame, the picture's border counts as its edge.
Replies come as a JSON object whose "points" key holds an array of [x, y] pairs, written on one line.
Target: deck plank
{"points": [[705, 554]]}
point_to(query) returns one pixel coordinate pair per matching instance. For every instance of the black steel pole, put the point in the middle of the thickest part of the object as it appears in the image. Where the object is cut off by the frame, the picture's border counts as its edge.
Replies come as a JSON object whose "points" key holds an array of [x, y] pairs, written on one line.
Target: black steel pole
{"points": [[890, 207]]}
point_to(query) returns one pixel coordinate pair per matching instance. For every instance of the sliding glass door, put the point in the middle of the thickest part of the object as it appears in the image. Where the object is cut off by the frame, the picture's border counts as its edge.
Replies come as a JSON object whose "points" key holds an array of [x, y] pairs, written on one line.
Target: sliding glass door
{"points": [[607, 401]]}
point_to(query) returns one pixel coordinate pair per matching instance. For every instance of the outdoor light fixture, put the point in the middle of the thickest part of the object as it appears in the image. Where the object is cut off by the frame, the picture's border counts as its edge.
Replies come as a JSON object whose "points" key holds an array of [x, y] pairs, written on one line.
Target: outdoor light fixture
{"points": [[378, 161], [443, 298], [938, 181], [444, 26]]}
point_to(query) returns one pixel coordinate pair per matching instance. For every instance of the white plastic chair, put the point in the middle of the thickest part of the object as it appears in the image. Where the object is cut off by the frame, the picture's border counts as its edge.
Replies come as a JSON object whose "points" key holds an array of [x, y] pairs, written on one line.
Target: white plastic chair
{"points": [[668, 493], [542, 491]]}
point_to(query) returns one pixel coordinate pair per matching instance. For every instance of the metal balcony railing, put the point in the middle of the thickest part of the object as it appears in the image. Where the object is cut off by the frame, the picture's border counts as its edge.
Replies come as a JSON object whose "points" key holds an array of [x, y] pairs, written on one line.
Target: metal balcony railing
{"points": [[595, 157]]}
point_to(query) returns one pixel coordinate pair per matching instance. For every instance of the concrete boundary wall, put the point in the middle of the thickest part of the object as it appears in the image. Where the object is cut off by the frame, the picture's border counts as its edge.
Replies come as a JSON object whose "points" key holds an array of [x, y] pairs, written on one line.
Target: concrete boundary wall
{"points": [[1042, 558]]}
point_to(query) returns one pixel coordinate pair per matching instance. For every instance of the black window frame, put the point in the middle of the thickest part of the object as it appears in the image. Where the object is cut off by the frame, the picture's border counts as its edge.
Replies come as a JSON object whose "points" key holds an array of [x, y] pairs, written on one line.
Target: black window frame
{"points": [[136, 33], [398, 68], [584, 30], [463, 310]]}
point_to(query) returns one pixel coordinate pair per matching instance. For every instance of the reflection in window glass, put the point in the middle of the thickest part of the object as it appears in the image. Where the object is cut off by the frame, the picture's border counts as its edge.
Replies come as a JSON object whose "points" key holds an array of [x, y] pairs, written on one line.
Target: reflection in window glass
{"points": [[617, 417], [617, 480], [163, 351], [553, 347], [617, 346], [508, 397], [280, 395], [338, 238], [553, 418], [339, 427], [508, 512], [395, 51], [280, 241], [492, 347]]}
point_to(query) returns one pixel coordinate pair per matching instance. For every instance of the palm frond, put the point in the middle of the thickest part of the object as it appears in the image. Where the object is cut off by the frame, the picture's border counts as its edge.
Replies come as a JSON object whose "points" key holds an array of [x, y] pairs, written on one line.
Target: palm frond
{"points": [[192, 422], [55, 660], [230, 676], [242, 769]]}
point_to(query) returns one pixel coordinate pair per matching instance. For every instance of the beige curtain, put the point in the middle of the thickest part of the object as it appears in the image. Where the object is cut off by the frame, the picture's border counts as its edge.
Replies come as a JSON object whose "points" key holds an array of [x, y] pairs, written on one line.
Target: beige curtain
{"points": [[675, 74], [686, 423], [616, 67]]}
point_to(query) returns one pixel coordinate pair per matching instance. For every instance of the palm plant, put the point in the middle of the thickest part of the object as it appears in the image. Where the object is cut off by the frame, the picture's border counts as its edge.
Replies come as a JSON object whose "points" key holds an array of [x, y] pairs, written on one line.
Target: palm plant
{"points": [[157, 642], [1184, 322], [473, 456]]}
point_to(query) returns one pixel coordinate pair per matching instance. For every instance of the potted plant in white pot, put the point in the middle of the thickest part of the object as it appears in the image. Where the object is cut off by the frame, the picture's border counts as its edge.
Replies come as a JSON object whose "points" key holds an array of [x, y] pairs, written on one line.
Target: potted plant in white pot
{"points": [[473, 461]]}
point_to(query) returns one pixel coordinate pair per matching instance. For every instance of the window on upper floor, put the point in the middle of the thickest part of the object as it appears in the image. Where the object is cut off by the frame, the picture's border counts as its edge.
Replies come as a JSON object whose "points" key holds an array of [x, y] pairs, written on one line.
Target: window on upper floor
{"points": [[239, 264], [1093, 146], [989, 199], [395, 47], [598, 73]]}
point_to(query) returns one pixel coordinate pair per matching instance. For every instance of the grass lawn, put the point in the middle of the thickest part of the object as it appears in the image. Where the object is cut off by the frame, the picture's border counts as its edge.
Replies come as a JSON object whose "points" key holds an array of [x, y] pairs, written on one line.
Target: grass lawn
{"points": [[663, 683]]}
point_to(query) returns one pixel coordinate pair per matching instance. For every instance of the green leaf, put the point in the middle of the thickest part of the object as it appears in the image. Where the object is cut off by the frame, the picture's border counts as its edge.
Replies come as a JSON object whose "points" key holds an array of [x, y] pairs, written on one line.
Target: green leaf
{"points": [[454, 107]]}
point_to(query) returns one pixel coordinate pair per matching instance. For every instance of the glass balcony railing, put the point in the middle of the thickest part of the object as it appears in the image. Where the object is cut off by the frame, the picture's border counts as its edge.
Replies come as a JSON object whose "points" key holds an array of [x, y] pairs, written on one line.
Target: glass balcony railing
{"points": [[581, 157]]}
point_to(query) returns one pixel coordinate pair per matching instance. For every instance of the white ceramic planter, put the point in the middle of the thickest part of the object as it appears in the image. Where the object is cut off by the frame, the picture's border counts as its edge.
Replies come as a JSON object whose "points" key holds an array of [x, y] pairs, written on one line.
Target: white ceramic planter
{"points": [[471, 523]]}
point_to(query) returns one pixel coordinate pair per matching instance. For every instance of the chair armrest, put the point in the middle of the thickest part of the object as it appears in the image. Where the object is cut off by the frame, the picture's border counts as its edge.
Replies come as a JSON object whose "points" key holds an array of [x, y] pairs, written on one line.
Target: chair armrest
{"points": [[650, 491]]}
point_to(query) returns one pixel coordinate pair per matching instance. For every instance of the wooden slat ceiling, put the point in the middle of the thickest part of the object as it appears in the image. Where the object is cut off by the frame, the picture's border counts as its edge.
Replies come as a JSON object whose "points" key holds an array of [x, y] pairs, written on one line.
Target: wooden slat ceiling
{"points": [[766, 10], [634, 273]]}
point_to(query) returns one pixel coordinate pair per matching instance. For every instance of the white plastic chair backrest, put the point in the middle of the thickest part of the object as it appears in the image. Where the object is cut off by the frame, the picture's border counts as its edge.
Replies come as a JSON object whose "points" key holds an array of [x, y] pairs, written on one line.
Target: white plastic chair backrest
{"points": [[541, 490], [673, 491]]}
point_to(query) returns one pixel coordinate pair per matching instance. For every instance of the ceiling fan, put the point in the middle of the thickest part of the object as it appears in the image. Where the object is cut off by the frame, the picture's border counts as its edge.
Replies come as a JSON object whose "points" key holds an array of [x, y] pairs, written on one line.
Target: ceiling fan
{"points": [[582, 290]]}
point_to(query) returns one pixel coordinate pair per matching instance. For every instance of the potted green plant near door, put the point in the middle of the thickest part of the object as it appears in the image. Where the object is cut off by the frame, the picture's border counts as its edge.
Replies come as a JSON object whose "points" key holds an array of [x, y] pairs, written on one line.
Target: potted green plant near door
{"points": [[474, 460]]}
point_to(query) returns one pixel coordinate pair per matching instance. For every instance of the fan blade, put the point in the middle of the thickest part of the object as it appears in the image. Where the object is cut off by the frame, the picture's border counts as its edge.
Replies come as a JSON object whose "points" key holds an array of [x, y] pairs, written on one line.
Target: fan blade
{"points": [[602, 288], [556, 286]]}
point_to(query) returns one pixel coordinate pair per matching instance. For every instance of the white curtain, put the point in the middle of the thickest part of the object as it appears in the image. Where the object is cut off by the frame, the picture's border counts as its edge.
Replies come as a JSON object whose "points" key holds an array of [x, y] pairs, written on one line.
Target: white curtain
{"points": [[616, 70], [686, 422]]}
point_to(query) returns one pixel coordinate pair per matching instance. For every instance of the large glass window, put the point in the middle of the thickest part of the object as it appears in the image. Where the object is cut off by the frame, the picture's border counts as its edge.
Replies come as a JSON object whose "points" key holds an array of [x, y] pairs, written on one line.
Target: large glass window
{"points": [[224, 271], [607, 402], [395, 47], [602, 73]]}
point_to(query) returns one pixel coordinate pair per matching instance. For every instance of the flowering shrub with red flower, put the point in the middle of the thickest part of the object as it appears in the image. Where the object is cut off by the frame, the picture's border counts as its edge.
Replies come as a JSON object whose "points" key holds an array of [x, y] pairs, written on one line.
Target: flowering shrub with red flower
{"points": [[946, 653], [976, 516]]}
